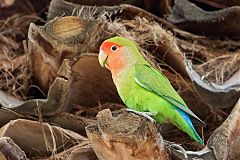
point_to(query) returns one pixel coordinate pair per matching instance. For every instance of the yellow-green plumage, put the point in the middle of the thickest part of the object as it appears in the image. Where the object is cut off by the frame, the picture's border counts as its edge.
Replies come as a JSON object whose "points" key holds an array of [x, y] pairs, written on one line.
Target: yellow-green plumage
{"points": [[145, 89]]}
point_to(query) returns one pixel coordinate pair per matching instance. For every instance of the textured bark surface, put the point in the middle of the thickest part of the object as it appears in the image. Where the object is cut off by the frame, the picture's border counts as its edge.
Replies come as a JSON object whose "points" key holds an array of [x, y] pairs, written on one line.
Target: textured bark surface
{"points": [[50, 139], [126, 136], [10, 151], [226, 139], [53, 42], [189, 17], [68, 38], [55, 102]]}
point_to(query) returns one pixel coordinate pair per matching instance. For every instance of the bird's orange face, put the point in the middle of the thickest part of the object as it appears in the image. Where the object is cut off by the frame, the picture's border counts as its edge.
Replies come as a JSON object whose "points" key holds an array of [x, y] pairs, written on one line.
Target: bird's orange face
{"points": [[112, 56]]}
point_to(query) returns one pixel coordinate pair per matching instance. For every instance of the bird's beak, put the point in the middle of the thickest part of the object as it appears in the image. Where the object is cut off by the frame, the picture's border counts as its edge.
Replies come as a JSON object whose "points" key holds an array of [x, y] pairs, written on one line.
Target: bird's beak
{"points": [[102, 58]]}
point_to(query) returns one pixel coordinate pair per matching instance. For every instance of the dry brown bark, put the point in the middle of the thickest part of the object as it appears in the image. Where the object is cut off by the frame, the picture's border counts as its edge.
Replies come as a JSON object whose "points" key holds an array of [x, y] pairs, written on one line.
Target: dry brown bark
{"points": [[13, 7], [37, 138], [220, 3], [69, 38], [10, 151], [126, 136], [190, 17]]}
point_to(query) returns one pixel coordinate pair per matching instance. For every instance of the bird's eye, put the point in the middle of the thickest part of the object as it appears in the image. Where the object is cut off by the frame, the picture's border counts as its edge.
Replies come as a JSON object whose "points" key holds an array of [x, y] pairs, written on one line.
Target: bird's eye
{"points": [[114, 48]]}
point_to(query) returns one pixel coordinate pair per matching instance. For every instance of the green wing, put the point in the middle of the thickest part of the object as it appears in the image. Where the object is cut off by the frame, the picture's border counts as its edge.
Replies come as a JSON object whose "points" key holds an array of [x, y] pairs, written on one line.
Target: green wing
{"points": [[152, 80]]}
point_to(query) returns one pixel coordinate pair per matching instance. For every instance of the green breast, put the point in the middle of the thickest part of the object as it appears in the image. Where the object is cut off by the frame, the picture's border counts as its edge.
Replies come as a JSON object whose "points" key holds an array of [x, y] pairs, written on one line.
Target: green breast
{"points": [[136, 97]]}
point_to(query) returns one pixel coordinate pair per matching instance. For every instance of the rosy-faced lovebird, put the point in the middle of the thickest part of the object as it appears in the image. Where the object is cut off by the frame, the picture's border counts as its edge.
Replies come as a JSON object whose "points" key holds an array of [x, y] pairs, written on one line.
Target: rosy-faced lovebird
{"points": [[143, 88]]}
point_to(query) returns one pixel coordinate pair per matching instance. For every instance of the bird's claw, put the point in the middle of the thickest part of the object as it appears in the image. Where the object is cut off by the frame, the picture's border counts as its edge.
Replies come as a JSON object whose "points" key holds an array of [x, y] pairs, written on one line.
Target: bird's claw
{"points": [[177, 146], [144, 114]]}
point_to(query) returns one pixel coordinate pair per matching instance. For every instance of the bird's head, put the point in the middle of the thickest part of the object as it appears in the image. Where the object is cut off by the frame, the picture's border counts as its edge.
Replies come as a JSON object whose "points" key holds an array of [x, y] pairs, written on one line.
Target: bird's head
{"points": [[117, 53]]}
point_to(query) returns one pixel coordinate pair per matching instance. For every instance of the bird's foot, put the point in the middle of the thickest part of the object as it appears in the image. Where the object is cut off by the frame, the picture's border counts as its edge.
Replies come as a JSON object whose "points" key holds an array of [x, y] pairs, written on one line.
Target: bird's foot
{"points": [[144, 114], [176, 146]]}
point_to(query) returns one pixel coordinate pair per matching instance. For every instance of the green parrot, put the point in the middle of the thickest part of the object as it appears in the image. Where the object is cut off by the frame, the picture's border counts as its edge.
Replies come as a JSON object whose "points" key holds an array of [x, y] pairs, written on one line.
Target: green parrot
{"points": [[143, 88]]}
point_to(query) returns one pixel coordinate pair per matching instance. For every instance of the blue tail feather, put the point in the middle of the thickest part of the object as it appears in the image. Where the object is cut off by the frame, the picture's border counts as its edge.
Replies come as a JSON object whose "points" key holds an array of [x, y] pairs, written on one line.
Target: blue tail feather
{"points": [[188, 120]]}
